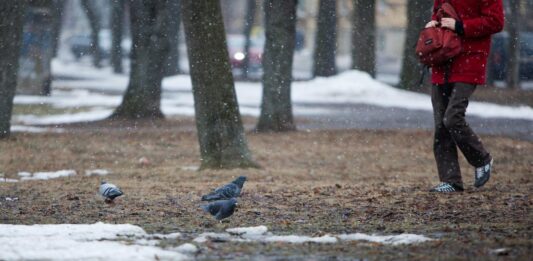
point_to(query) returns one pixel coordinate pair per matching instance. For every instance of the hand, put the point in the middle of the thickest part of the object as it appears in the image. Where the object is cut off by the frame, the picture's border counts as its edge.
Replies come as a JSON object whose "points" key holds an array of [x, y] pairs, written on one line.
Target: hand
{"points": [[432, 24], [448, 23]]}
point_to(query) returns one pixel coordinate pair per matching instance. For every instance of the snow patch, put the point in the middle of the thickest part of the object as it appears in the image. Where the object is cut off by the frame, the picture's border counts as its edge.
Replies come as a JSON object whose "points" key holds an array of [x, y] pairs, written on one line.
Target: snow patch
{"points": [[6, 180], [31, 129], [49, 175], [97, 172], [393, 240], [190, 168], [186, 248], [261, 234], [78, 242]]}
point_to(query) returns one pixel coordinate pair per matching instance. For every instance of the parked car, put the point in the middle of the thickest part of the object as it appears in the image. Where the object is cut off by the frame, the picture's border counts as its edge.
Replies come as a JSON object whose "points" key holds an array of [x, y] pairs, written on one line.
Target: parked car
{"points": [[236, 51], [80, 45], [500, 56]]}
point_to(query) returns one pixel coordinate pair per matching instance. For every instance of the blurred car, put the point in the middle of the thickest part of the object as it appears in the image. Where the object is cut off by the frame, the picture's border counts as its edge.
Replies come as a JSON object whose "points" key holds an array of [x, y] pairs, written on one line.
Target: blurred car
{"points": [[80, 45], [500, 56], [236, 51]]}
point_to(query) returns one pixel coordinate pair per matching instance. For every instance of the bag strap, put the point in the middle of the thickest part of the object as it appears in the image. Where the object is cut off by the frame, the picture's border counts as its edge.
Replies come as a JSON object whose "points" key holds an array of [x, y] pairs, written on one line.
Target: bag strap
{"points": [[446, 8]]}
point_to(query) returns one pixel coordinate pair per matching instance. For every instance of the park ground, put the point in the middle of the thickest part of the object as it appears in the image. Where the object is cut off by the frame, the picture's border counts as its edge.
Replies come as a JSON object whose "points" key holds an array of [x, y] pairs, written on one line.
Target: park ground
{"points": [[312, 182]]}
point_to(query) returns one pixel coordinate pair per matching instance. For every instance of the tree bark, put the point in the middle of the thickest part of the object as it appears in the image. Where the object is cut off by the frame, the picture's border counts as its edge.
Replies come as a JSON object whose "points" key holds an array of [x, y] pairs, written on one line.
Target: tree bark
{"points": [[249, 23], [11, 13], [364, 36], [94, 22], [173, 34], [117, 24], [57, 9], [513, 48], [326, 39], [220, 131], [280, 30], [418, 14], [142, 99]]}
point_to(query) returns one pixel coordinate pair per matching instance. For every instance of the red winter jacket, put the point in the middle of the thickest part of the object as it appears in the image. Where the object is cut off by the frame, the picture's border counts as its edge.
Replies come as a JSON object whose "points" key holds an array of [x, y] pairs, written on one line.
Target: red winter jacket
{"points": [[480, 19]]}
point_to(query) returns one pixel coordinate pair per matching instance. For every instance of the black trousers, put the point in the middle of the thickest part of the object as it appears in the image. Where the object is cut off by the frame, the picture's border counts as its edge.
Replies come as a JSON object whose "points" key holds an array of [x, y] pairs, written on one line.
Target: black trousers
{"points": [[451, 131]]}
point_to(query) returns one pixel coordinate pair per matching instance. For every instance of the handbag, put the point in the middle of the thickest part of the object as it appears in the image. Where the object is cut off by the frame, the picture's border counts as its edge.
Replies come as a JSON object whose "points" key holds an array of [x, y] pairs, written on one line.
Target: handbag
{"points": [[437, 45]]}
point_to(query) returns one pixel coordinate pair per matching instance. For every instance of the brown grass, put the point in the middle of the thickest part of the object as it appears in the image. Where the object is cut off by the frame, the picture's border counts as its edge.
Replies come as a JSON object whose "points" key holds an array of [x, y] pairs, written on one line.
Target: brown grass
{"points": [[311, 183]]}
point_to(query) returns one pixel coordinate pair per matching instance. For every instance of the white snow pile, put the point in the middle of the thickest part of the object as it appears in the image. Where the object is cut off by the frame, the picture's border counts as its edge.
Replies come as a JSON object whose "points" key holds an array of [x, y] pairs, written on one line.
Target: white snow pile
{"points": [[261, 234], [350, 87], [46, 175], [80, 242]]}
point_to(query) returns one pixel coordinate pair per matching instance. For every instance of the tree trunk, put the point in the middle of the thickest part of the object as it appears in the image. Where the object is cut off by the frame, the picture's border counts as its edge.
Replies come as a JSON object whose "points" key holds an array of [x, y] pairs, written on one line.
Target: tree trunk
{"points": [[142, 99], [418, 14], [280, 30], [513, 67], [11, 13], [326, 39], [249, 23], [57, 9], [94, 22], [173, 33], [364, 36], [117, 24], [219, 124]]}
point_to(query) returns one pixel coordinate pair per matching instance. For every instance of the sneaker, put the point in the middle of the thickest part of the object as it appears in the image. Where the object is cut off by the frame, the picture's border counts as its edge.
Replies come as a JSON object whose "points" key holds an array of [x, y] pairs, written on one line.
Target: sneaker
{"points": [[446, 187], [482, 174]]}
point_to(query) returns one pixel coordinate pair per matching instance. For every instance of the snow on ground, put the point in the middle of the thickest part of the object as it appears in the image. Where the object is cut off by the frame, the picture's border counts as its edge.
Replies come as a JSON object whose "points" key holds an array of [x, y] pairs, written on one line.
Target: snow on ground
{"points": [[101, 241], [261, 234], [97, 172], [46, 175], [79, 242], [99, 91]]}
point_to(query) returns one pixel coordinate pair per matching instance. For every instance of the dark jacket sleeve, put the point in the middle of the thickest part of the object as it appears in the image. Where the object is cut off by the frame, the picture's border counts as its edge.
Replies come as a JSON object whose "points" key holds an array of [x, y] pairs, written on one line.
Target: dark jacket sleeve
{"points": [[490, 22]]}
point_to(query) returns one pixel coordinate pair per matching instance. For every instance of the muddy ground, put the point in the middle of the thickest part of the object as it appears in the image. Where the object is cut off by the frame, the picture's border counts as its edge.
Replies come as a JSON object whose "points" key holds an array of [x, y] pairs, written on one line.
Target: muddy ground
{"points": [[311, 183]]}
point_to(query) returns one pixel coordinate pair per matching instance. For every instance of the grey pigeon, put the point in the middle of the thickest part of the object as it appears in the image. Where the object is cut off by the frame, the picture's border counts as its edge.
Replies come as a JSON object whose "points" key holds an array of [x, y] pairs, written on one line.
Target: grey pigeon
{"points": [[221, 209], [231, 190], [109, 191]]}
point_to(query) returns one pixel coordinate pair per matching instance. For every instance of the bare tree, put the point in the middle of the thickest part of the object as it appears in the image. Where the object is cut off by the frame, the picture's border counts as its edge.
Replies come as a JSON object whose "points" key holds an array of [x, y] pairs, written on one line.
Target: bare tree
{"points": [[11, 13], [57, 10], [149, 50], [94, 22], [220, 131], [173, 36], [117, 25], [513, 47], [248, 25], [364, 36], [280, 29], [418, 14], [326, 39]]}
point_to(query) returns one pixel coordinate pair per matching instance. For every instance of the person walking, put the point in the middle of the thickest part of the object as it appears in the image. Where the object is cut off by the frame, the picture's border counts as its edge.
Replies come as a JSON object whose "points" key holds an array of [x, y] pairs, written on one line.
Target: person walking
{"points": [[454, 83]]}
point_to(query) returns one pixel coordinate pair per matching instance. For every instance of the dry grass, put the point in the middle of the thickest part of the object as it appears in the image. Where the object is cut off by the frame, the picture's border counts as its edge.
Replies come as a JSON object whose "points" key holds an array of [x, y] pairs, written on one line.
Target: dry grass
{"points": [[311, 183]]}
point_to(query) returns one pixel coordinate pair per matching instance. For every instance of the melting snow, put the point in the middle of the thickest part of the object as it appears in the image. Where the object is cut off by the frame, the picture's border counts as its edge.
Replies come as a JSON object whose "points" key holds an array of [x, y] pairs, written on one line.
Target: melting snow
{"points": [[261, 234], [6, 180], [97, 172], [48, 175], [68, 242]]}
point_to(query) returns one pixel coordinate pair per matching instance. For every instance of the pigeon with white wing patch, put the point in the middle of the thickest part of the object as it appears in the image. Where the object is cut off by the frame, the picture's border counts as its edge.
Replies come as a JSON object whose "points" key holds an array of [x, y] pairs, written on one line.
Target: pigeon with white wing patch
{"points": [[109, 191]]}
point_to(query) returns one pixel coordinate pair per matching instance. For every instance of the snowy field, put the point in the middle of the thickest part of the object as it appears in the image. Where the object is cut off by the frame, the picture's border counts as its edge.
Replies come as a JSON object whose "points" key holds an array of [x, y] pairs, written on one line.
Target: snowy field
{"points": [[96, 92], [128, 242]]}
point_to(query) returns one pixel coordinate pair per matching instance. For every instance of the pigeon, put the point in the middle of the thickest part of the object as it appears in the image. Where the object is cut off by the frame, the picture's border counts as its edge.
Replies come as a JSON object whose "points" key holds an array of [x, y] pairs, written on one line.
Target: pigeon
{"points": [[231, 190], [221, 209], [109, 191]]}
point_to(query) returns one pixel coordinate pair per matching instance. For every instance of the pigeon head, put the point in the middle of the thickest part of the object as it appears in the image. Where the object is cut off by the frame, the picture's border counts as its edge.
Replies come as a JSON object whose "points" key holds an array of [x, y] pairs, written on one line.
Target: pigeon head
{"points": [[103, 182], [239, 181], [233, 201]]}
